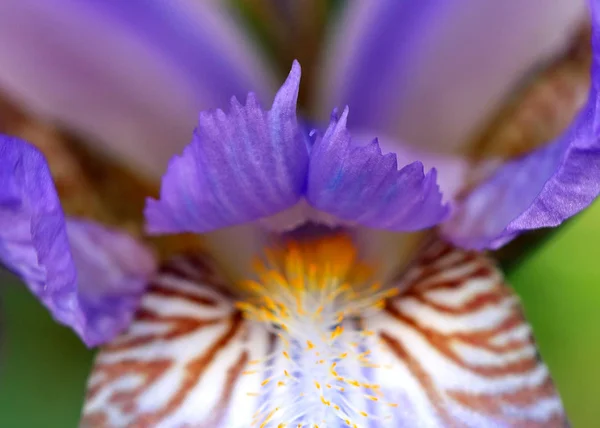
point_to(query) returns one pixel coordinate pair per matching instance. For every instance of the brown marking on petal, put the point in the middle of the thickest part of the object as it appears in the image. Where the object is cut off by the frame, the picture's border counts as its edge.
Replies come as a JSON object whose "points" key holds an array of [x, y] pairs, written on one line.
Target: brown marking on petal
{"points": [[443, 344], [72, 185], [85, 179], [123, 204], [182, 326], [233, 373], [431, 281], [477, 302], [447, 269], [194, 371], [149, 371], [94, 420], [198, 267], [157, 289], [425, 380], [493, 403], [429, 272], [504, 337], [544, 107], [138, 352], [435, 253], [533, 116]]}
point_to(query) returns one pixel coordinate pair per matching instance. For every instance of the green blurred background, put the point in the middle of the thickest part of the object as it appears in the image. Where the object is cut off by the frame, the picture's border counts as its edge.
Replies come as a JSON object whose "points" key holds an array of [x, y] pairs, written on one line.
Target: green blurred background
{"points": [[44, 367]]}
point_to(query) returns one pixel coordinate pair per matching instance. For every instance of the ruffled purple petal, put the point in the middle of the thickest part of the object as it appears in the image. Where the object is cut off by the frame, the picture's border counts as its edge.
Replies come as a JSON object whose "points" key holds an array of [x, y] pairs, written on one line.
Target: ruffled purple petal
{"points": [[129, 75], [240, 166], [430, 72], [90, 278], [541, 189], [453, 171], [360, 184]]}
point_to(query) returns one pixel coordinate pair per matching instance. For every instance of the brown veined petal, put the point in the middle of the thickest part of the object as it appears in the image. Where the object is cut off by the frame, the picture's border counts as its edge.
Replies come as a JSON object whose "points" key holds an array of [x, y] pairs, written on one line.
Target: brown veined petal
{"points": [[84, 179], [455, 349], [543, 107], [180, 363]]}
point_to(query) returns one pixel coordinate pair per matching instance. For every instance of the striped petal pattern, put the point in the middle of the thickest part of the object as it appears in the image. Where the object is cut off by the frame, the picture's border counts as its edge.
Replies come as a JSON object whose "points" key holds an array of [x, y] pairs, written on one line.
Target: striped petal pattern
{"points": [[459, 350], [180, 363], [452, 350]]}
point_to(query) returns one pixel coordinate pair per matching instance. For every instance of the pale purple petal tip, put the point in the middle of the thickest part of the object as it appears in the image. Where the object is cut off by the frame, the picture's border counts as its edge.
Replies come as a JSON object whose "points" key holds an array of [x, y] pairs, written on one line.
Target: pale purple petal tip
{"points": [[360, 184], [88, 65], [541, 189], [88, 277], [240, 166]]}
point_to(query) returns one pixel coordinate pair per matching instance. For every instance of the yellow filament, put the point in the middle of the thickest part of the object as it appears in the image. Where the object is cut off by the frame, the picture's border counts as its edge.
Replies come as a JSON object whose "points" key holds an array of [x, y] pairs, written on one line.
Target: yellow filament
{"points": [[315, 282]]}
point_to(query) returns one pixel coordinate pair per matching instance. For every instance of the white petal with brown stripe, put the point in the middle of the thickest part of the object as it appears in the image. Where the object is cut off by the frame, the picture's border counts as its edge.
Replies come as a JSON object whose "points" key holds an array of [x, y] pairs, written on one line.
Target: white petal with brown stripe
{"points": [[451, 350]]}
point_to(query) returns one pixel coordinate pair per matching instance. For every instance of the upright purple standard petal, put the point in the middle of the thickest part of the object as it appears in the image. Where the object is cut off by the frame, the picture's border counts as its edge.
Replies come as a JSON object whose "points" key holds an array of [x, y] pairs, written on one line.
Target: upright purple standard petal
{"points": [[429, 72], [239, 167], [541, 189], [360, 184], [90, 278], [130, 75]]}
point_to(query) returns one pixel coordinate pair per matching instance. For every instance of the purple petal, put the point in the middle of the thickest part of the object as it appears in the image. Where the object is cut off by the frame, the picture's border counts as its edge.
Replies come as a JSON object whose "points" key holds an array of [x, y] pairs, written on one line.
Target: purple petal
{"points": [[359, 183], [131, 75], [453, 171], [541, 189], [430, 72], [90, 278], [239, 167]]}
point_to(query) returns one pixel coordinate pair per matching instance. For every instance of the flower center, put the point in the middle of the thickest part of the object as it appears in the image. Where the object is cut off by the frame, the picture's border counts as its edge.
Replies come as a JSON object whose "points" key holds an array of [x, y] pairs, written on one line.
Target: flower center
{"points": [[309, 294]]}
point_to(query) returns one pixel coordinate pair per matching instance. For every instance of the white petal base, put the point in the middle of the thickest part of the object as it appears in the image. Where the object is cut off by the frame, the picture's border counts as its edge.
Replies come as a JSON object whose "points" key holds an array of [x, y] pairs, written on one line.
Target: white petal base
{"points": [[452, 351]]}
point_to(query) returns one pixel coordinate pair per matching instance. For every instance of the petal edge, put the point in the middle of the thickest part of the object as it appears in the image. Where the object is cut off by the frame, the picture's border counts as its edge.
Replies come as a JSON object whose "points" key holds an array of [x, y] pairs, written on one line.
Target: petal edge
{"points": [[239, 167], [361, 184], [75, 268]]}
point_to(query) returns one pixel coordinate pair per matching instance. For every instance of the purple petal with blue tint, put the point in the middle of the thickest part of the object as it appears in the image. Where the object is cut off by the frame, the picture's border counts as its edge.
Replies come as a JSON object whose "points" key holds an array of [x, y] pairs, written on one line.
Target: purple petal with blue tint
{"points": [[129, 75], [90, 278], [430, 72], [240, 166], [541, 189], [360, 184]]}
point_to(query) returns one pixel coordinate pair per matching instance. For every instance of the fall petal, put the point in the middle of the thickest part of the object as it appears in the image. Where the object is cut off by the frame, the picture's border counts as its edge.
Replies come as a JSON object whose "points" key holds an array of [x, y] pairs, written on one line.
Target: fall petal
{"points": [[191, 359], [456, 351], [89, 277], [181, 361]]}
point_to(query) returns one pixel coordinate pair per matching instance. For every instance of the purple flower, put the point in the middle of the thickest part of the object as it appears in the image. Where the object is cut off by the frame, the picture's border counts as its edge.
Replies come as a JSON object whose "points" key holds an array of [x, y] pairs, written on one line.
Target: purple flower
{"points": [[301, 312]]}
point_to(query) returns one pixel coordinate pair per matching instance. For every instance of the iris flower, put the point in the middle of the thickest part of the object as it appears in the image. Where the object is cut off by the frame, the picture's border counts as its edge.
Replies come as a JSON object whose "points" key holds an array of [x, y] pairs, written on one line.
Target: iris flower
{"points": [[301, 311]]}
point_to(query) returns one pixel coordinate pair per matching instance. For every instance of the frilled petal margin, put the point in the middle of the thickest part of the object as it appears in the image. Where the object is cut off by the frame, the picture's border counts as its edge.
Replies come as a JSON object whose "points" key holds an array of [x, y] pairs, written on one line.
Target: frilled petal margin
{"points": [[541, 189], [239, 167], [90, 278], [454, 350], [359, 183]]}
